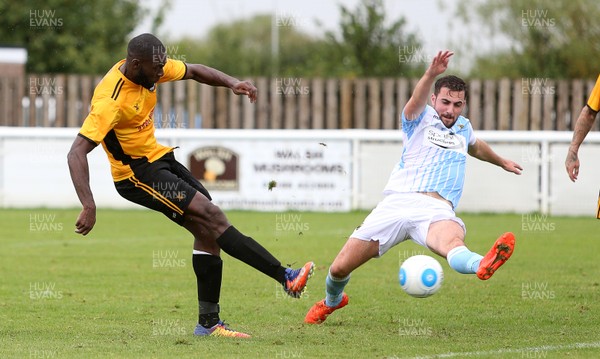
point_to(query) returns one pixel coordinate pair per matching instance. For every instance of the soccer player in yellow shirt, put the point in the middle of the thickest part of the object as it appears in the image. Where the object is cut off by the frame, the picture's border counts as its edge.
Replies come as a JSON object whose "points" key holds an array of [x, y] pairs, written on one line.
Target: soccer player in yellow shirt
{"points": [[121, 119]]}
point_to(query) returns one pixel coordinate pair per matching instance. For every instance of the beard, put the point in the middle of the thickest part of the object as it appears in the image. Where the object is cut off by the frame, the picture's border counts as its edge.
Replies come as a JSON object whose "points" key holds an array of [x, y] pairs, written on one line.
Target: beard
{"points": [[142, 80], [448, 120]]}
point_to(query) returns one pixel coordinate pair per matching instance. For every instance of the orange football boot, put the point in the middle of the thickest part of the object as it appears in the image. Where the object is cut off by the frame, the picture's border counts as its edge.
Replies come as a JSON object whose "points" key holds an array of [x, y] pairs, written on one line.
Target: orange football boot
{"points": [[497, 256], [320, 311]]}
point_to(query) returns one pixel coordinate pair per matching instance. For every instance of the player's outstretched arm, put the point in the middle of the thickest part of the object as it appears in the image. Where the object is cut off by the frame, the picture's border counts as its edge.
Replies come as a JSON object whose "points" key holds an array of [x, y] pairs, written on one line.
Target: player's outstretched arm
{"points": [[482, 151], [213, 77], [584, 124], [80, 175], [417, 102]]}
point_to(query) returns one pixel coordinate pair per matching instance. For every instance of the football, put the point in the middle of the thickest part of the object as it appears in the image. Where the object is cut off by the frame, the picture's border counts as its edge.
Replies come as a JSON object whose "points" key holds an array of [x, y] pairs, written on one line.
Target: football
{"points": [[421, 276]]}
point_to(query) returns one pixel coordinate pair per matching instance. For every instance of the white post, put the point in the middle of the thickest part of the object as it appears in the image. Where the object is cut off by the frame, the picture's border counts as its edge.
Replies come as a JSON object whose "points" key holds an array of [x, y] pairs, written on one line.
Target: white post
{"points": [[274, 42], [545, 176], [355, 172]]}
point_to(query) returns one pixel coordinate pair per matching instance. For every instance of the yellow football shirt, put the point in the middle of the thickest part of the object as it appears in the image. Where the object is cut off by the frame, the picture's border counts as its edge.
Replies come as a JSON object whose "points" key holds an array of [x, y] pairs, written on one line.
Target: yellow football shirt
{"points": [[594, 100], [122, 119]]}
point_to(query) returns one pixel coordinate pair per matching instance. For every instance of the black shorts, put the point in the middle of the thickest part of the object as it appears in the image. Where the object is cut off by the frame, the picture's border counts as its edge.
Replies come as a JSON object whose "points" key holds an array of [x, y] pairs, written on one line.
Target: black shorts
{"points": [[164, 185]]}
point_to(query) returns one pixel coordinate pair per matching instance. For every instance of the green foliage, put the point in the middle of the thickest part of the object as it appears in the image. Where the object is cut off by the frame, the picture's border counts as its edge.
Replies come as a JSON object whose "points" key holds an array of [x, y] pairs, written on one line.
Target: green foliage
{"points": [[243, 48], [78, 36], [84, 36], [554, 39], [364, 47]]}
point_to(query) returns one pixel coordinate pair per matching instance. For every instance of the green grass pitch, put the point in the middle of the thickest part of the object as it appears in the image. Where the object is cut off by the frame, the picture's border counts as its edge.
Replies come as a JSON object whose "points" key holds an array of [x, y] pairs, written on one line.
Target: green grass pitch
{"points": [[128, 291]]}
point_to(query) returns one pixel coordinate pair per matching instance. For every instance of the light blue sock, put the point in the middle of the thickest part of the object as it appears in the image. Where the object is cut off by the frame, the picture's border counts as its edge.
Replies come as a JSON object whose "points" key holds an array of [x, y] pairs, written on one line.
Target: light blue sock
{"points": [[335, 290], [462, 260]]}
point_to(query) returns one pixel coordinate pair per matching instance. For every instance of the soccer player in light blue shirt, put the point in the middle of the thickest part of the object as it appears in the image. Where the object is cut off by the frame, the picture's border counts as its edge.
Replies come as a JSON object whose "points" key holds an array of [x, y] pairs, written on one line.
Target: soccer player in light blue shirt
{"points": [[423, 190]]}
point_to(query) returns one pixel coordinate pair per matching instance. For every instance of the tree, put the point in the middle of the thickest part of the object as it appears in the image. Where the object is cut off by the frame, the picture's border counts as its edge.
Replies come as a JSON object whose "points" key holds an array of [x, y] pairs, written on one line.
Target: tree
{"points": [[243, 48], [79, 36], [366, 47], [555, 39]]}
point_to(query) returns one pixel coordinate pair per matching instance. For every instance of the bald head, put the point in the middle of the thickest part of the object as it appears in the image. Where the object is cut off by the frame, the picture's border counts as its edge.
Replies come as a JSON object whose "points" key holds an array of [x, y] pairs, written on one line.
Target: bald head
{"points": [[145, 47], [146, 57]]}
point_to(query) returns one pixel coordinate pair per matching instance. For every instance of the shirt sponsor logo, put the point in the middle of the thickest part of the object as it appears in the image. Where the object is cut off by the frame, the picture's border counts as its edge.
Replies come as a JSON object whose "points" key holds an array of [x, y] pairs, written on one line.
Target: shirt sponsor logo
{"points": [[435, 137]]}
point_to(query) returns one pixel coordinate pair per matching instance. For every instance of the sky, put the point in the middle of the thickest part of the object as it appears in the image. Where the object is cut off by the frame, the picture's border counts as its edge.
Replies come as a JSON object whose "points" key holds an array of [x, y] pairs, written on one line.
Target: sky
{"points": [[437, 29]]}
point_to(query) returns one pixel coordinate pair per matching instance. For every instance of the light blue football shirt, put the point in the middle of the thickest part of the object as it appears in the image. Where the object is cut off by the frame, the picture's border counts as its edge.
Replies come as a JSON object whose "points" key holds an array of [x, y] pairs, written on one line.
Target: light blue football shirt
{"points": [[433, 156]]}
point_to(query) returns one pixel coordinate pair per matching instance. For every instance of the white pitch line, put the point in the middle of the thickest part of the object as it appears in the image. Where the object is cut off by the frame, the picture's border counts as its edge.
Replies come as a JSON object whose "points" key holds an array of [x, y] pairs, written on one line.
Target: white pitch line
{"points": [[543, 348]]}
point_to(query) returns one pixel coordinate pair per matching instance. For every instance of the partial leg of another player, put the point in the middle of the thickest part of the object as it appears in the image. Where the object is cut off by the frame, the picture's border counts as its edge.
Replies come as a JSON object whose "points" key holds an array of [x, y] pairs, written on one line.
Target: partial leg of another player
{"points": [[355, 253]]}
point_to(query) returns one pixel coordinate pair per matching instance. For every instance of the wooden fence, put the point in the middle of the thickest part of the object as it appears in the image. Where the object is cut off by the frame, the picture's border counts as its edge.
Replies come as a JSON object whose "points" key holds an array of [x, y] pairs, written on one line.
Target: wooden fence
{"points": [[300, 103]]}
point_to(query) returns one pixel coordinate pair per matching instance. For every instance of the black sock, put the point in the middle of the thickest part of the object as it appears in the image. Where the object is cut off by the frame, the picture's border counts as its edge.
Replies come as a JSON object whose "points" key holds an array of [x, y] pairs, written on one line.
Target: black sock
{"points": [[251, 252], [209, 271], [208, 320]]}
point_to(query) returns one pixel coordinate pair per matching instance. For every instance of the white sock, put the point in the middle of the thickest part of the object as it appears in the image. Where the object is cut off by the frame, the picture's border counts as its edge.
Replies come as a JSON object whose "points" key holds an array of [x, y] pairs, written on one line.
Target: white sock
{"points": [[200, 252]]}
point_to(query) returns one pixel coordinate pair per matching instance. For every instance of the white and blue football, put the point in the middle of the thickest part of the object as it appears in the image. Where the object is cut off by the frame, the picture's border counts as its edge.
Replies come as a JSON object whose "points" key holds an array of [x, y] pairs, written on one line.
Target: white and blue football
{"points": [[421, 276]]}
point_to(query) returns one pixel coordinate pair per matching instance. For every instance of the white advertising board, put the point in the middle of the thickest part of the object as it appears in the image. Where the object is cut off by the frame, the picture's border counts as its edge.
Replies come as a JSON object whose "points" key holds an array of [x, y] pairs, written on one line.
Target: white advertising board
{"points": [[272, 175], [307, 170]]}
